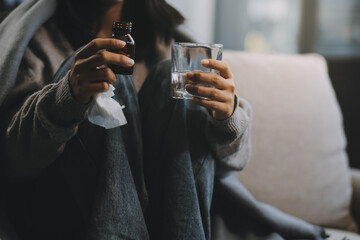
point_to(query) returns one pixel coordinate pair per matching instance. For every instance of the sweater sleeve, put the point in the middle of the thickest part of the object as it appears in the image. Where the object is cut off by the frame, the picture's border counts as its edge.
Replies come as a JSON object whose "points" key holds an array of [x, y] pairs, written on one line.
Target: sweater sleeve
{"points": [[37, 133], [38, 117], [230, 139]]}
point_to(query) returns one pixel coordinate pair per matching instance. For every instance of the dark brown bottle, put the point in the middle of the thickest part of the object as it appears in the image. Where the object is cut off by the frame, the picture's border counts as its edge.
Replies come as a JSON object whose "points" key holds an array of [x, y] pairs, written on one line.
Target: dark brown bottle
{"points": [[122, 31]]}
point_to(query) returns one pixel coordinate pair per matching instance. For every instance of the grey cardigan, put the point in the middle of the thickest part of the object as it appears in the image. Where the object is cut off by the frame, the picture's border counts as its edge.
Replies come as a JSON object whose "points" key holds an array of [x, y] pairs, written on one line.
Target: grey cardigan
{"points": [[40, 127], [28, 120], [54, 115]]}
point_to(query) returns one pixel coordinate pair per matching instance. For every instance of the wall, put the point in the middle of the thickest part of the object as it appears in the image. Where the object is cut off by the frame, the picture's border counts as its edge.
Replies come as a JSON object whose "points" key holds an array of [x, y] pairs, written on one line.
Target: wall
{"points": [[200, 18]]}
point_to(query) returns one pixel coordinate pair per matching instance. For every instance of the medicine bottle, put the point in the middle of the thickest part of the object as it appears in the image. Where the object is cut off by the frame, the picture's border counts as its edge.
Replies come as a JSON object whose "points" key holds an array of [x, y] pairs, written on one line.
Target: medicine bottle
{"points": [[122, 31]]}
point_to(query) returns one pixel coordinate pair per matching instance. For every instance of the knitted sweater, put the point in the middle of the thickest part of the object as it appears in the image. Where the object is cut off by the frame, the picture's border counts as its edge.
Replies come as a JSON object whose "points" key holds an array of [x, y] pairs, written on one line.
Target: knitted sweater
{"points": [[38, 120], [43, 117]]}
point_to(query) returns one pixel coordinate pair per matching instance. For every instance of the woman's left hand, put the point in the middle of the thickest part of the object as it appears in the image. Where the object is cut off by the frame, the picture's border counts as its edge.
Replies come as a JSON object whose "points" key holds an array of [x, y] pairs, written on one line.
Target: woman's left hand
{"points": [[221, 96]]}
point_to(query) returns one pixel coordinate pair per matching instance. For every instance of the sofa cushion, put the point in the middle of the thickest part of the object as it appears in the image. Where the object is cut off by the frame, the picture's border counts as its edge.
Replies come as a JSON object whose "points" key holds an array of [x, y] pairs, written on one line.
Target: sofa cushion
{"points": [[335, 234], [299, 163]]}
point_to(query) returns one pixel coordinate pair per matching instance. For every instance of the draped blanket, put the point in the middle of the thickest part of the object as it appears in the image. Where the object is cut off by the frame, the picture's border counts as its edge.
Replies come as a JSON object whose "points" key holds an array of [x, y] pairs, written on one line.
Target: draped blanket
{"points": [[154, 177]]}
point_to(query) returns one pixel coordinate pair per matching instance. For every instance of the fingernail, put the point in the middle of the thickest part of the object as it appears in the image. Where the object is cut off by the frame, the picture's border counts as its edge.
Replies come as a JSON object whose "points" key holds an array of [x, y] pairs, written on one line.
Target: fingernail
{"points": [[130, 61], [121, 43], [205, 62]]}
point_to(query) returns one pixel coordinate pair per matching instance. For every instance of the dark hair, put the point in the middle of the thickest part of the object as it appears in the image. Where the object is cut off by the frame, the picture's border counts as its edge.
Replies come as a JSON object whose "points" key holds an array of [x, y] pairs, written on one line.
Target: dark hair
{"points": [[152, 20]]}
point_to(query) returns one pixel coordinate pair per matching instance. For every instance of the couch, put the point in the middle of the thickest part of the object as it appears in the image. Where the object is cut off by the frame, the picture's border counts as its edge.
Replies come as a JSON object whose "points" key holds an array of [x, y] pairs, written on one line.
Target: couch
{"points": [[299, 162]]}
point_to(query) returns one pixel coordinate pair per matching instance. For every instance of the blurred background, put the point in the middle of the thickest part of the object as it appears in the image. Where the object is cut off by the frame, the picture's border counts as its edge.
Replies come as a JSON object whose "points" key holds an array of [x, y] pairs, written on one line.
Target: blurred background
{"points": [[327, 27]]}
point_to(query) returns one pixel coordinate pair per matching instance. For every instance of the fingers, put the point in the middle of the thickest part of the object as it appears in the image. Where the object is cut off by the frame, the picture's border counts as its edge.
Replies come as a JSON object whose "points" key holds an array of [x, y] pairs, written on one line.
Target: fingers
{"points": [[87, 84], [208, 79], [221, 66], [223, 109], [84, 92], [104, 74], [220, 97], [223, 89], [208, 92], [98, 87], [101, 58], [98, 44], [86, 76]]}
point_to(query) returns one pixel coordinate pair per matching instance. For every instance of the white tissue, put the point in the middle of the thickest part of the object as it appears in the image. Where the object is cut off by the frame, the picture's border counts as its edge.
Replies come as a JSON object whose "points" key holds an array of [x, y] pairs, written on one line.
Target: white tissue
{"points": [[106, 111]]}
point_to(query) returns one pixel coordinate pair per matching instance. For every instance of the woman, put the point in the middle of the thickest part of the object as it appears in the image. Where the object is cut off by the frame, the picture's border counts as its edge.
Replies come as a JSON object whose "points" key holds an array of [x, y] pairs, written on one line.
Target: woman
{"points": [[70, 179]]}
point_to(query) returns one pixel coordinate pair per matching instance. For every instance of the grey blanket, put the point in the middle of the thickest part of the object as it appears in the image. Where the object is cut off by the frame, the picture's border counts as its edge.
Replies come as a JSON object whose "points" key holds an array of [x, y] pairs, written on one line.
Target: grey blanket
{"points": [[187, 183], [235, 213], [15, 33]]}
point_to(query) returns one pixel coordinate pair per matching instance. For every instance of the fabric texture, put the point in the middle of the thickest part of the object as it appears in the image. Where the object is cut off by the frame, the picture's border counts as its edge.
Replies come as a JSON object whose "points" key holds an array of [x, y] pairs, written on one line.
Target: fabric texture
{"points": [[299, 163], [225, 145], [97, 187], [238, 215], [336, 234], [85, 179], [251, 218], [28, 117], [114, 180], [355, 179], [177, 161], [14, 40]]}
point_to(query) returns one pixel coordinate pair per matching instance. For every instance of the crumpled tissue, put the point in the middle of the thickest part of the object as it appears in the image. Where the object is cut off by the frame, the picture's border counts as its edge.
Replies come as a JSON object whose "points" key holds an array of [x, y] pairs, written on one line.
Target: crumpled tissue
{"points": [[106, 111]]}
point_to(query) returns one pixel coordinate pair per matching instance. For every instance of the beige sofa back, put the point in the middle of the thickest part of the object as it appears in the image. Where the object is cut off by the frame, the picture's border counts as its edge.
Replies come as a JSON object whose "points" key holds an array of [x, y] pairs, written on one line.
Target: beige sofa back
{"points": [[299, 163]]}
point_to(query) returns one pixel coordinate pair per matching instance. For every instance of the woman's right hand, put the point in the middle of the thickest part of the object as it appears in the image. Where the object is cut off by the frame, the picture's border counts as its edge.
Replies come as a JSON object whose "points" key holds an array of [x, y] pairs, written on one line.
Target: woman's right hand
{"points": [[90, 74]]}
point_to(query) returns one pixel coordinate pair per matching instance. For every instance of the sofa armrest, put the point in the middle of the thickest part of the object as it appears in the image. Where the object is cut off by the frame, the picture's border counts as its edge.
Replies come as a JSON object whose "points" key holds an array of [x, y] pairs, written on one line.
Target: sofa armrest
{"points": [[355, 204]]}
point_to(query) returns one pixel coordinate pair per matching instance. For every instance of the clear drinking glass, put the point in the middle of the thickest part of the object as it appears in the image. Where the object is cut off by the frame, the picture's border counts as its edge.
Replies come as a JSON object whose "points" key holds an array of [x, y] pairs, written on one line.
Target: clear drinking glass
{"points": [[186, 57]]}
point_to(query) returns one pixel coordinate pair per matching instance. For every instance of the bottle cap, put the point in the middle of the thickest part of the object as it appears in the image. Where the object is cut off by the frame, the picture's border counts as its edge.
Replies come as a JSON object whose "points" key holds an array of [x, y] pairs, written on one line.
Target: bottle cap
{"points": [[122, 26]]}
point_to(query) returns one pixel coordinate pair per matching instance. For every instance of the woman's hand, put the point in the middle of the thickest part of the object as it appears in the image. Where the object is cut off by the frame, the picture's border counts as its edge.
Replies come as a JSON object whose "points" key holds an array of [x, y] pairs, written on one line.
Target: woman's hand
{"points": [[89, 73], [221, 96]]}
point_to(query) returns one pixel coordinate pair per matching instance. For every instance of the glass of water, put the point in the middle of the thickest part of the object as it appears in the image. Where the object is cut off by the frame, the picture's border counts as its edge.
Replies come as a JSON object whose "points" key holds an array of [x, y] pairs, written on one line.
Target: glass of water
{"points": [[186, 57]]}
